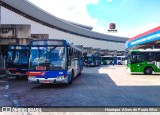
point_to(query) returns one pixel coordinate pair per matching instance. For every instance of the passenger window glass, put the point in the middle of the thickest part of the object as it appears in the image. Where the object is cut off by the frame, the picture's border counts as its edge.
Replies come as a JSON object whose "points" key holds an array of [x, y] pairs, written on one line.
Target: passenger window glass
{"points": [[157, 56], [137, 57], [149, 56], [119, 58]]}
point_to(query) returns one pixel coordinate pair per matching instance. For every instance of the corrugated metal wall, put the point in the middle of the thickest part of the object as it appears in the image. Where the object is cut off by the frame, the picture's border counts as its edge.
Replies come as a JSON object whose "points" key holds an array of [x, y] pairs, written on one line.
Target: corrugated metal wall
{"points": [[10, 17]]}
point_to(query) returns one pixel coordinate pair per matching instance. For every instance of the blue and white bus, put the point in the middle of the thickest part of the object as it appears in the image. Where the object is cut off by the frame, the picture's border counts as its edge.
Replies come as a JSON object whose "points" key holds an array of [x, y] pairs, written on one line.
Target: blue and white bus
{"points": [[17, 60], [54, 61], [91, 57], [92, 60]]}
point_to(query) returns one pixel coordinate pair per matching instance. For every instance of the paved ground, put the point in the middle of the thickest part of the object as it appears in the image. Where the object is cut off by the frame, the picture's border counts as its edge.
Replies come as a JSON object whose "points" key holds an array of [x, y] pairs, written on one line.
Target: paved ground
{"points": [[97, 86], [121, 77]]}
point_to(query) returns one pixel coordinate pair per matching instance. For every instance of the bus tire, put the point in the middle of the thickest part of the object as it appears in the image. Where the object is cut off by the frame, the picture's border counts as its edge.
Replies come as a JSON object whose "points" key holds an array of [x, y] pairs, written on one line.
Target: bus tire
{"points": [[119, 63], [17, 77], [148, 71], [72, 75]]}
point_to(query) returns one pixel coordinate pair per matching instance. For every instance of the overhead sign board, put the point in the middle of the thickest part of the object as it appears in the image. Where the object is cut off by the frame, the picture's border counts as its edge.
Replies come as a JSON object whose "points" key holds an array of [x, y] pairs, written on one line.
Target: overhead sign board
{"points": [[144, 39]]}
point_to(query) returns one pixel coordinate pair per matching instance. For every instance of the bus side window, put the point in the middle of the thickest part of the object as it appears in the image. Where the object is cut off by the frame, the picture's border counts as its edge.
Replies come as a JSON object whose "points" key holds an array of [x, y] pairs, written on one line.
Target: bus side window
{"points": [[157, 56], [69, 57], [150, 56], [119, 58]]}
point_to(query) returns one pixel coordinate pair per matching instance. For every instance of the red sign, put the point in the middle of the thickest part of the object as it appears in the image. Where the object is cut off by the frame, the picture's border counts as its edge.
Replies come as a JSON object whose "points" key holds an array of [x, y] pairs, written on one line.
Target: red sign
{"points": [[41, 68], [18, 73]]}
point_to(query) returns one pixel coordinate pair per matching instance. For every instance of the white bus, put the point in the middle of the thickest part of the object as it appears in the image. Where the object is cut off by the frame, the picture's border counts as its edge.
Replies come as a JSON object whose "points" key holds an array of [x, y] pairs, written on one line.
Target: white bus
{"points": [[121, 60]]}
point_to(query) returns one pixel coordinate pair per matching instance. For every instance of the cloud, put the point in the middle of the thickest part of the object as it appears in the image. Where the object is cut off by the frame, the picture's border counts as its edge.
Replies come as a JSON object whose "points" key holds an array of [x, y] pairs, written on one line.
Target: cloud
{"points": [[127, 32], [76, 11], [145, 28], [71, 10]]}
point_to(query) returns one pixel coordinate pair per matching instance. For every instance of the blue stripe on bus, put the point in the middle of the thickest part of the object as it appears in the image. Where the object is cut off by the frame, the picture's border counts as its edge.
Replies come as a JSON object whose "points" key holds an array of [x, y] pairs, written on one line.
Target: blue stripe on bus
{"points": [[53, 73]]}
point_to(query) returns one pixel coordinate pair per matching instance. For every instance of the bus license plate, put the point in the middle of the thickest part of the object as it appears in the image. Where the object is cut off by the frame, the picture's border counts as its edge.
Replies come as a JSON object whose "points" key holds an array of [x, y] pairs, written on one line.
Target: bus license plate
{"points": [[18, 73], [41, 68], [46, 81]]}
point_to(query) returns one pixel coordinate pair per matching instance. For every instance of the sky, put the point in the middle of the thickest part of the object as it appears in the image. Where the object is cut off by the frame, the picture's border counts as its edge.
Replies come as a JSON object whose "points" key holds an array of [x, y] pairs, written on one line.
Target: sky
{"points": [[132, 17]]}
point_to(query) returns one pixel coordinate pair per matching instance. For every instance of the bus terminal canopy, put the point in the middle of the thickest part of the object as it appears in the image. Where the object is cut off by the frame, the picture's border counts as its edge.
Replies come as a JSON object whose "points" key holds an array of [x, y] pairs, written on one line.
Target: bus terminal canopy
{"points": [[149, 38]]}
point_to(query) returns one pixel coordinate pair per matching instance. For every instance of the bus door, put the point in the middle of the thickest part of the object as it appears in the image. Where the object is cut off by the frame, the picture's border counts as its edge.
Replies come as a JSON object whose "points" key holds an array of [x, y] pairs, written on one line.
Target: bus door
{"points": [[119, 60], [76, 66], [115, 60], [157, 61], [96, 61]]}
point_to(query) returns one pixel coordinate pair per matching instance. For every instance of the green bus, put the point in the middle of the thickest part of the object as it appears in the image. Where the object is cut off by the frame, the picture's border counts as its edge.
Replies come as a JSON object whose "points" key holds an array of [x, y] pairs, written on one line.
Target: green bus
{"points": [[106, 60], [143, 61]]}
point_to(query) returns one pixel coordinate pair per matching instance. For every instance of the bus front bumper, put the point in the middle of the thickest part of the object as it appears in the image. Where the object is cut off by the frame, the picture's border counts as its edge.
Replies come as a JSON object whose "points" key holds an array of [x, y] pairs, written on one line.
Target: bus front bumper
{"points": [[60, 79], [128, 70], [16, 73]]}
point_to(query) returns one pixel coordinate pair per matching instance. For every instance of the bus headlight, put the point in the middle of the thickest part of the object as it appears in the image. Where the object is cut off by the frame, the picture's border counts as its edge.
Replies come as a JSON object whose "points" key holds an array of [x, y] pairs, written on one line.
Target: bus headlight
{"points": [[61, 77], [31, 77]]}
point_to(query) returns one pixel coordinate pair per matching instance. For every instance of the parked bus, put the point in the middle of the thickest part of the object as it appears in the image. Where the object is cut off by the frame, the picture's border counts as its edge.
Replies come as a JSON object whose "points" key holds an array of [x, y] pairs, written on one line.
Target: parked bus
{"points": [[92, 60], [144, 61], [54, 61], [106, 60], [2, 63], [109, 60], [17, 60], [121, 60], [91, 57]]}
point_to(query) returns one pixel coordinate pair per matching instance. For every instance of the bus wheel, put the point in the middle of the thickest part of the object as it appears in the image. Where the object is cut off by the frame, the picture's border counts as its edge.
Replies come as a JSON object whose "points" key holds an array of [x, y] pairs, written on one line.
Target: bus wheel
{"points": [[119, 63], [72, 75], [148, 71], [17, 77]]}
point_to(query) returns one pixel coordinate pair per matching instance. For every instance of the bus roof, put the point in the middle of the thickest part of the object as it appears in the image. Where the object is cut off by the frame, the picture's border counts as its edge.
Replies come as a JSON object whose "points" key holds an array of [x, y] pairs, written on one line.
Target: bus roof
{"points": [[18, 47], [48, 42], [121, 56], [145, 50], [53, 42], [107, 56]]}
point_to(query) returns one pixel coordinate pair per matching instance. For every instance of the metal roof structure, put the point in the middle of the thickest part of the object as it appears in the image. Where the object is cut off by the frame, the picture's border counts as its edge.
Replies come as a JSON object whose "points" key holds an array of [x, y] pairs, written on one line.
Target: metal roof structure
{"points": [[80, 25], [146, 39]]}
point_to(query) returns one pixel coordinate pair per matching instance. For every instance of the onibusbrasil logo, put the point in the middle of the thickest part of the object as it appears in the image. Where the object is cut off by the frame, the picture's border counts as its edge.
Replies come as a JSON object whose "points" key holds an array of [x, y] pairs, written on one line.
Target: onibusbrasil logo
{"points": [[112, 27]]}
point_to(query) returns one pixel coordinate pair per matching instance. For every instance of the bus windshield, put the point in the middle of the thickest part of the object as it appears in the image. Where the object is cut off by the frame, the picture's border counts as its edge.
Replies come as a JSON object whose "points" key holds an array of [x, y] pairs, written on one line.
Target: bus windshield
{"points": [[89, 59], [47, 58], [18, 57]]}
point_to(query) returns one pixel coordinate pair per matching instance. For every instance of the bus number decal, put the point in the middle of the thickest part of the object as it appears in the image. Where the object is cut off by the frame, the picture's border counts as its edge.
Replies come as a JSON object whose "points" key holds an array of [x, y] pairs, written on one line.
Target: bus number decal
{"points": [[41, 68]]}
